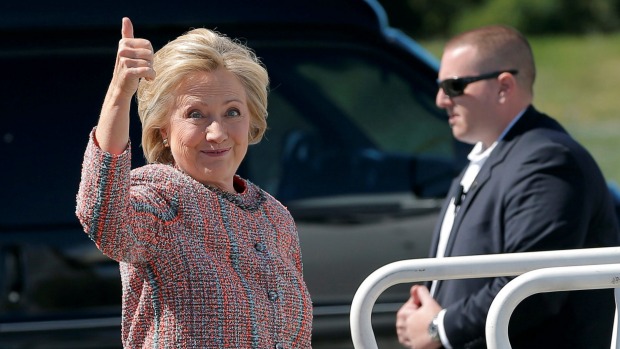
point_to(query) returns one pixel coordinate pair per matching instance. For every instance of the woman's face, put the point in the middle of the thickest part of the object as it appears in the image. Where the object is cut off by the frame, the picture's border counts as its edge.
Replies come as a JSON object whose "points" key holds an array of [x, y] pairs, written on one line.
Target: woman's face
{"points": [[209, 127]]}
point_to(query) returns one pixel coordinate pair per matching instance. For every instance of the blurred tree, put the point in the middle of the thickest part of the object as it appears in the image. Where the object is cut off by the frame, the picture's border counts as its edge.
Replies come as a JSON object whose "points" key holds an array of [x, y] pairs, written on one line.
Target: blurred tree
{"points": [[543, 17], [427, 19]]}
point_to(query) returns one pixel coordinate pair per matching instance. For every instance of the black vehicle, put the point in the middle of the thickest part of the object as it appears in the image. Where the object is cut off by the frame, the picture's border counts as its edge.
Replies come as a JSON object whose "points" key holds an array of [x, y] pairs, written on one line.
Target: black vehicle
{"points": [[356, 149]]}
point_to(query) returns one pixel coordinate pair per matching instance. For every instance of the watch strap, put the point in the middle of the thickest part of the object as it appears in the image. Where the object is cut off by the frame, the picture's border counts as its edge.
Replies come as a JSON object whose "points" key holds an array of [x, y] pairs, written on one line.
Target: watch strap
{"points": [[433, 329]]}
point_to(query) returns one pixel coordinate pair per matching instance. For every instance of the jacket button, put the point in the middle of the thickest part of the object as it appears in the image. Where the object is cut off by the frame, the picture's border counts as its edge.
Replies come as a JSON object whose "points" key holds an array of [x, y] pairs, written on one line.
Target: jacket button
{"points": [[260, 247], [273, 295], [279, 346]]}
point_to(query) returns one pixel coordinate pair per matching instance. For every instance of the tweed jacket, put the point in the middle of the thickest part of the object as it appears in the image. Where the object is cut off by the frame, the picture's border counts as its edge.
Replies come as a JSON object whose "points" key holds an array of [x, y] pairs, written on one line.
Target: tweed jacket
{"points": [[200, 268]]}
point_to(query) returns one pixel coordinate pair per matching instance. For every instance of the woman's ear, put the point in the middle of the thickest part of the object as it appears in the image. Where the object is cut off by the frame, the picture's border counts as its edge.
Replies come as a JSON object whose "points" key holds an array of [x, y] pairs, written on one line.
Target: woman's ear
{"points": [[164, 133], [164, 137]]}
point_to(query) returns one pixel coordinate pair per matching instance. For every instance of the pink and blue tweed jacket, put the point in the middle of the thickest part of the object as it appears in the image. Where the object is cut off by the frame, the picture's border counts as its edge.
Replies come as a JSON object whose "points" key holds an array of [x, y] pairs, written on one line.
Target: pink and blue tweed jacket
{"points": [[200, 268]]}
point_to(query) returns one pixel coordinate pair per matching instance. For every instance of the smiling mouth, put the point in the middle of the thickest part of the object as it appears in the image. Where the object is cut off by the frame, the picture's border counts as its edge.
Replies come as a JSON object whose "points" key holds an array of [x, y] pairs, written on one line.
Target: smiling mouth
{"points": [[216, 152]]}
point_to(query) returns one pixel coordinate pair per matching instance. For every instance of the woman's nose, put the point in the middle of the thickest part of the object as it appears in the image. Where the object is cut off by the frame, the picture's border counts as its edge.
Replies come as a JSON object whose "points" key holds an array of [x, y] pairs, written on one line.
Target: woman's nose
{"points": [[216, 132]]}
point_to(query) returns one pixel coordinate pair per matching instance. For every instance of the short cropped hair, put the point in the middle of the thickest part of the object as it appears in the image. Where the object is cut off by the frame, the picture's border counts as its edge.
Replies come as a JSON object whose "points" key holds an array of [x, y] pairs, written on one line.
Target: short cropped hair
{"points": [[500, 48], [199, 50]]}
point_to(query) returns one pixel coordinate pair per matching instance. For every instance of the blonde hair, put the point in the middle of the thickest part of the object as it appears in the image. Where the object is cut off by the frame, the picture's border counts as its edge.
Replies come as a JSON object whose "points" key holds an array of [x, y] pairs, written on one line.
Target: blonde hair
{"points": [[198, 50]]}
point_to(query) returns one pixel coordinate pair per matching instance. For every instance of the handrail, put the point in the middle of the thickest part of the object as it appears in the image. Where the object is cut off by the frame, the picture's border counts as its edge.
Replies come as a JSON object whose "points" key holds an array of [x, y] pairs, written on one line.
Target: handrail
{"points": [[587, 277], [463, 267]]}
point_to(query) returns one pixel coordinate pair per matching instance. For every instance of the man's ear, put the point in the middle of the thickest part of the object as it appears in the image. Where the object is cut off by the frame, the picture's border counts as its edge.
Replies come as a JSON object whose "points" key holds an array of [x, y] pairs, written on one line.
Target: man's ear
{"points": [[507, 84]]}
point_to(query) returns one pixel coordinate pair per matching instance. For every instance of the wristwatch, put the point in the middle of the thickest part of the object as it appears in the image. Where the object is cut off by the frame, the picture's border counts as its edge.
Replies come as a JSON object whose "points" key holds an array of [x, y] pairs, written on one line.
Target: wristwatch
{"points": [[433, 330]]}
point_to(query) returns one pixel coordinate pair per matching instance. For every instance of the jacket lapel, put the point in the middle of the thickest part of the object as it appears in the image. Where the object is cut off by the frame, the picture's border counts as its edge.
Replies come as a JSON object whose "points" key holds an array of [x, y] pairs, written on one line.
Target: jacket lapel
{"points": [[498, 155], [531, 119], [446, 204]]}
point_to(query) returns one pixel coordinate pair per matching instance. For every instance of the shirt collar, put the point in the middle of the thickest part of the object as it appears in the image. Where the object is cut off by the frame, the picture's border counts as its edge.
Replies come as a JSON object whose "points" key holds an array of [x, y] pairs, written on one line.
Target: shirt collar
{"points": [[479, 153], [514, 121]]}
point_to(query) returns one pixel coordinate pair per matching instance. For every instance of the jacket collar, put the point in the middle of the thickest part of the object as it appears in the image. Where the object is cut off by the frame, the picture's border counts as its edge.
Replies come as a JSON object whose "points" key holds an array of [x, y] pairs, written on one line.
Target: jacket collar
{"points": [[530, 119]]}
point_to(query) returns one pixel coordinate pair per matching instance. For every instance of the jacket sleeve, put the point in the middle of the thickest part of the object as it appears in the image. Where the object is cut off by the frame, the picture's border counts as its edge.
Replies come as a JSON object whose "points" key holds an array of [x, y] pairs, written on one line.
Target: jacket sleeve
{"points": [[108, 207]]}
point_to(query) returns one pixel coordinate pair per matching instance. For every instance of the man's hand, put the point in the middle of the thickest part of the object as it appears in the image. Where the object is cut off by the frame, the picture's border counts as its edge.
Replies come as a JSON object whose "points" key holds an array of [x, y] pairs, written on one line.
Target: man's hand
{"points": [[413, 318]]}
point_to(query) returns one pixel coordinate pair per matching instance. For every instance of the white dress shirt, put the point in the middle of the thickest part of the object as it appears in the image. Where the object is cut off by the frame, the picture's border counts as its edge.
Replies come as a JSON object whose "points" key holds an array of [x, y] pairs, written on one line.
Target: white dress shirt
{"points": [[477, 157]]}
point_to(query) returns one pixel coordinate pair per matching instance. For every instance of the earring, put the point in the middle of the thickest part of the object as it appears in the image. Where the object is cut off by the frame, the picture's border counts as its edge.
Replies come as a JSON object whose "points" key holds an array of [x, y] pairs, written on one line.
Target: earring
{"points": [[165, 142]]}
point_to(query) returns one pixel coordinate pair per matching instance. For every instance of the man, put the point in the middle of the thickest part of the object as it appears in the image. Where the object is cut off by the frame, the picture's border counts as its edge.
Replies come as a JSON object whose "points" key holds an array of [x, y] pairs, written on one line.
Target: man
{"points": [[528, 187]]}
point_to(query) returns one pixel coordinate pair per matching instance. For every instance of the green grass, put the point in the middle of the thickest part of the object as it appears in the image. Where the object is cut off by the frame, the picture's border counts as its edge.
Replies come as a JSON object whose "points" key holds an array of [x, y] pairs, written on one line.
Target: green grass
{"points": [[578, 83]]}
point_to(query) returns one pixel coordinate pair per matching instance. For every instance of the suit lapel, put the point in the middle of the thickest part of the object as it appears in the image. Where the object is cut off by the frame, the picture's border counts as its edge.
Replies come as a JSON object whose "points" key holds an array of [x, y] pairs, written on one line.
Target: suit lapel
{"points": [[498, 155], [446, 204], [531, 119]]}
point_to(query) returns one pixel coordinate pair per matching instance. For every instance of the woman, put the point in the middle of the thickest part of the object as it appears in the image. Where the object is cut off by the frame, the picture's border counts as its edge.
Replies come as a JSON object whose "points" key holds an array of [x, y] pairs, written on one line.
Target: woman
{"points": [[207, 259]]}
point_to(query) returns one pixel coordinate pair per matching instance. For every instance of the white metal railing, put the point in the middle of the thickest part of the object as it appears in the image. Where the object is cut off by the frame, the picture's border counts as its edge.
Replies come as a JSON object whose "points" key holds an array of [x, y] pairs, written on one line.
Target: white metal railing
{"points": [[464, 267], [586, 277]]}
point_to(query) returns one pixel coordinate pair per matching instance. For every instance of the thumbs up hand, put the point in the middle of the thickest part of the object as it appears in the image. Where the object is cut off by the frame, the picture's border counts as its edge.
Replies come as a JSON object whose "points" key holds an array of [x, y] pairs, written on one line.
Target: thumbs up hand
{"points": [[134, 60]]}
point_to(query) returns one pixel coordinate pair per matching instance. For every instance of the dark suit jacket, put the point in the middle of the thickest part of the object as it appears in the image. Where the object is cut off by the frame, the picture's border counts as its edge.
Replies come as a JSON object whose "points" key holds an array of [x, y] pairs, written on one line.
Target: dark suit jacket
{"points": [[538, 190]]}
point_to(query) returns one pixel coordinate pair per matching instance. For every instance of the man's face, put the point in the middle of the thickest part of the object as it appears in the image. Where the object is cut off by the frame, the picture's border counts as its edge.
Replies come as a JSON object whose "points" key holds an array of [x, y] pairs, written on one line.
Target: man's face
{"points": [[472, 114]]}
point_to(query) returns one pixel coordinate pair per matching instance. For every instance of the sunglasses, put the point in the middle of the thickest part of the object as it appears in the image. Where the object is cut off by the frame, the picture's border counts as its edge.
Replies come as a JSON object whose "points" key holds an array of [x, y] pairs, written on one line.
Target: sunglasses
{"points": [[456, 86]]}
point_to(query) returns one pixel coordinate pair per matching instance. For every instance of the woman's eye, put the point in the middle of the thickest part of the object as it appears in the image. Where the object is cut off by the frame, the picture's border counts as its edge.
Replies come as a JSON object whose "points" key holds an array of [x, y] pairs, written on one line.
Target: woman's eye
{"points": [[233, 112], [195, 115]]}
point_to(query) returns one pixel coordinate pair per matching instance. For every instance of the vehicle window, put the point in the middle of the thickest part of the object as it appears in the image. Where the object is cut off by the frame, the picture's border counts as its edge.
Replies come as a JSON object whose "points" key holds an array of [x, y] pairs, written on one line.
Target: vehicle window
{"points": [[345, 121], [48, 113], [397, 114]]}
